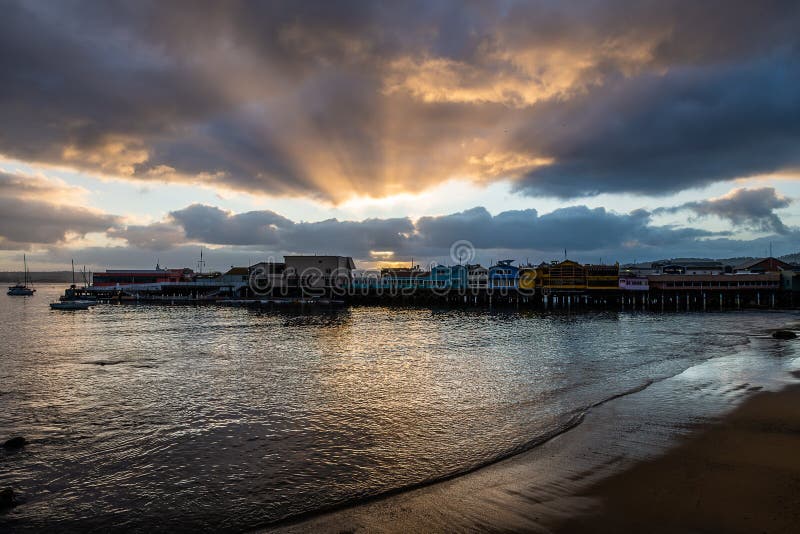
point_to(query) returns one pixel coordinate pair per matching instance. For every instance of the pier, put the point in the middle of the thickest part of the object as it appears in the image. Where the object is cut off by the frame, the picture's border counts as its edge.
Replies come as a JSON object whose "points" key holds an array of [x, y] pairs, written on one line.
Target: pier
{"points": [[565, 285]]}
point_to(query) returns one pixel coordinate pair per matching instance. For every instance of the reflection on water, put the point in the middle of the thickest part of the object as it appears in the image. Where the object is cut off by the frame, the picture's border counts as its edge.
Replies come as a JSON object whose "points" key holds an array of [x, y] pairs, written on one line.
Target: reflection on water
{"points": [[211, 417]]}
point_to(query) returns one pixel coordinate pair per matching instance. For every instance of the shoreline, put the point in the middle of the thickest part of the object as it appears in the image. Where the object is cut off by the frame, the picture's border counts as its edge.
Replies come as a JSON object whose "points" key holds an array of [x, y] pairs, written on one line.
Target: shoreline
{"points": [[564, 483], [739, 475]]}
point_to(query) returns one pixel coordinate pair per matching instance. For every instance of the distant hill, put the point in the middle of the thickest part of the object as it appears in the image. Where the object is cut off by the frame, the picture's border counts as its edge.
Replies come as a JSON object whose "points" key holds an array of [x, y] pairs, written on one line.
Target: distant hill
{"points": [[41, 277], [788, 258], [791, 258]]}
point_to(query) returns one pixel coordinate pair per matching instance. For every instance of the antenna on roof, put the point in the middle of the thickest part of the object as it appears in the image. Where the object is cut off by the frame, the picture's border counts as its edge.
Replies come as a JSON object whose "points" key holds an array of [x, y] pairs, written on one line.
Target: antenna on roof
{"points": [[201, 263], [770, 249]]}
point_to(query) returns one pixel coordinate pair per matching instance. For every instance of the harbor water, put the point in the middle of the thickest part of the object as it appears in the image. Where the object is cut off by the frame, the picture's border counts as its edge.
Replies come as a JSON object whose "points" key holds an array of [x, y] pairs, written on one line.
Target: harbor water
{"points": [[143, 417]]}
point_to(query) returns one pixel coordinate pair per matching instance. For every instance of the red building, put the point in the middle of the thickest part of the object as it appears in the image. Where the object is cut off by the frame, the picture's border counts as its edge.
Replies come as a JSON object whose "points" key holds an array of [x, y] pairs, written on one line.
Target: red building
{"points": [[126, 277], [762, 265]]}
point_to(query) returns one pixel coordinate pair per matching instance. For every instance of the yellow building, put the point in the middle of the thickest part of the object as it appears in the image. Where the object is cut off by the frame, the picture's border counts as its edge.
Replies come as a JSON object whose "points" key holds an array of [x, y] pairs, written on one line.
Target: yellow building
{"points": [[572, 276], [602, 277], [527, 278]]}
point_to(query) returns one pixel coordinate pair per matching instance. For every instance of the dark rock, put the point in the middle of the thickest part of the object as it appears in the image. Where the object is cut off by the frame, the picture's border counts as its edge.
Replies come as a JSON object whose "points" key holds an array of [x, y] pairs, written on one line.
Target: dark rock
{"points": [[7, 499], [15, 443], [784, 334]]}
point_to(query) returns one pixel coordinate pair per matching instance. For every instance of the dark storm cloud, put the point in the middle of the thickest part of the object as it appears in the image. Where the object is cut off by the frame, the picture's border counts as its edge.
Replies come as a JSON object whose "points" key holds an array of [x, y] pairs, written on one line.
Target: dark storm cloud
{"points": [[578, 229], [331, 99], [660, 134], [209, 224], [752, 208], [156, 236]]}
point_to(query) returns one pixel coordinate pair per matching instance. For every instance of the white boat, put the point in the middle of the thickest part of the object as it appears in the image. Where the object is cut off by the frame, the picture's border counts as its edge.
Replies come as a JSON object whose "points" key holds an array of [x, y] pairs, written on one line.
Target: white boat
{"points": [[22, 290], [71, 305]]}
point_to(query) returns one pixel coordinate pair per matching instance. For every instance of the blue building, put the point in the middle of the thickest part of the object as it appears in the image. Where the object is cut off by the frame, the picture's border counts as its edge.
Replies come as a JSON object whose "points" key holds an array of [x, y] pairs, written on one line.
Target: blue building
{"points": [[403, 279], [504, 275], [459, 277], [439, 278]]}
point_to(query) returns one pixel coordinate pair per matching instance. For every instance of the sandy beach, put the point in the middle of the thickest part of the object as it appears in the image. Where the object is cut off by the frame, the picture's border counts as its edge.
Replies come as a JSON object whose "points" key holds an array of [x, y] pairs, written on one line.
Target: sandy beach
{"points": [[740, 473]]}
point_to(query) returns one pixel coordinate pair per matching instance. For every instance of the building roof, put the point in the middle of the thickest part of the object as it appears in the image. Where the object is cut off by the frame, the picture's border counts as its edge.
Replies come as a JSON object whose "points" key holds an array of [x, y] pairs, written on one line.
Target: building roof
{"points": [[237, 271], [697, 264], [766, 277], [348, 259], [780, 265]]}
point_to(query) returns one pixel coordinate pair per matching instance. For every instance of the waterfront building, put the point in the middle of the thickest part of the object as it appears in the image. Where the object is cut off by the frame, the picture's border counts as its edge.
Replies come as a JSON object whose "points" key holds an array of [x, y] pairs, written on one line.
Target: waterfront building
{"points": [[268, 277], [139, 277], [527, 279], [644, 269], [319, 271], [459, 277], [693, 267], [367, 279], [631, 282], [235, 275], [477, 277], [602, 277], [710, 282], [565, 276], [762, 265], [439, 278], [403, 278], [790, 280], [503, 275], [571, 277]]}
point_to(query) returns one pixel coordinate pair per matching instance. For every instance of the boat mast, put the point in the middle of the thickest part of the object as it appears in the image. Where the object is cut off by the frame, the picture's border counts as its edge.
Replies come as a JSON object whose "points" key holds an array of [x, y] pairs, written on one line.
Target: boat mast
{"points": [[73, 272], [24, 270], [201, 263]]}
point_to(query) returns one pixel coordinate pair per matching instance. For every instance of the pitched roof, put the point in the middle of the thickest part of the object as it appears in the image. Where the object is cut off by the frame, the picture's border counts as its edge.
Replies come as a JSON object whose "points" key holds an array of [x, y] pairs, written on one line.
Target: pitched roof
{"points": [[752, 263]]}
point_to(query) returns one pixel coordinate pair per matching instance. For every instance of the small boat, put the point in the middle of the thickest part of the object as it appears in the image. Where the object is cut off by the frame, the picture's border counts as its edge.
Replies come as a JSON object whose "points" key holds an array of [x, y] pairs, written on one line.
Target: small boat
{"points": [[78, 294], [22, 290], [71, 305]]}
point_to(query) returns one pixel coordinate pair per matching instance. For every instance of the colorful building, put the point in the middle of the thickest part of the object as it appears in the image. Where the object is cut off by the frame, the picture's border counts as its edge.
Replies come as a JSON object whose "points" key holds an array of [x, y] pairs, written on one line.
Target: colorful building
{"points": [[503, 275], [477, 277], [570, 276]]}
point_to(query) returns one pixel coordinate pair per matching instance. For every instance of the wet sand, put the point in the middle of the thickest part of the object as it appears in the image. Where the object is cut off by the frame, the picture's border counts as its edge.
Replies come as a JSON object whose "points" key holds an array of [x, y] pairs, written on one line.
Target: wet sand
{"points": [[741, 475], [737, 474]]}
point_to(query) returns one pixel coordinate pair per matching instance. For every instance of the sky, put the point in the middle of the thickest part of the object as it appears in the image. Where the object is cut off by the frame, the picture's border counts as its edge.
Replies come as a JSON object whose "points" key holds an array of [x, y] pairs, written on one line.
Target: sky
{"points": [[136, 133]]}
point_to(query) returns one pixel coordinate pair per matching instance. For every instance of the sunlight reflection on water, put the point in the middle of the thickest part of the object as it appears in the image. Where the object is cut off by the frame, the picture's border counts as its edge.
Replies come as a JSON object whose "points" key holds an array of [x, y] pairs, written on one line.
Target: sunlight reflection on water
{"points": [[211, 417]]}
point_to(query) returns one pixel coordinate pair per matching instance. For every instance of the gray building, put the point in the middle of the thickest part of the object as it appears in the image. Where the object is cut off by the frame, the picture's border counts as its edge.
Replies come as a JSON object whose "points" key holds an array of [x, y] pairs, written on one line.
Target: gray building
{"points": [[319, 271]]}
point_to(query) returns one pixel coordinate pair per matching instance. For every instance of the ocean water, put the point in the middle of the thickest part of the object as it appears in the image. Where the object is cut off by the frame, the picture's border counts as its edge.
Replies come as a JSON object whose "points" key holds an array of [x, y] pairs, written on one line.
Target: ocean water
{"points": [[207, 418]]}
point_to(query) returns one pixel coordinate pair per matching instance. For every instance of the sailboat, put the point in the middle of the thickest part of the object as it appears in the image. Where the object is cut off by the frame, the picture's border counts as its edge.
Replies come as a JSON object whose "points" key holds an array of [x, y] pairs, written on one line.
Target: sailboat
{"points": [[22, 290], [74, 294]]}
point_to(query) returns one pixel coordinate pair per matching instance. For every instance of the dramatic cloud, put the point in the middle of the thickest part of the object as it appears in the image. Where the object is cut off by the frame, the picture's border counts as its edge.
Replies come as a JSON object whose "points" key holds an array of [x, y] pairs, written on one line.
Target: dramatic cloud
{"points": [[30, 213], [665, 133], [36, 188], [156, 236], [579, 229], [335, 99], [210, 224], [753, 208], [586, 233], [576, 228]]}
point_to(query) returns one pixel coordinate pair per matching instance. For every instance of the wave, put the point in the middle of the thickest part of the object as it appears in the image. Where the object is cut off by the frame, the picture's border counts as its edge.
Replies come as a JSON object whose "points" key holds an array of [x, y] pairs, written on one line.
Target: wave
{"points": [[575, 418]]}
